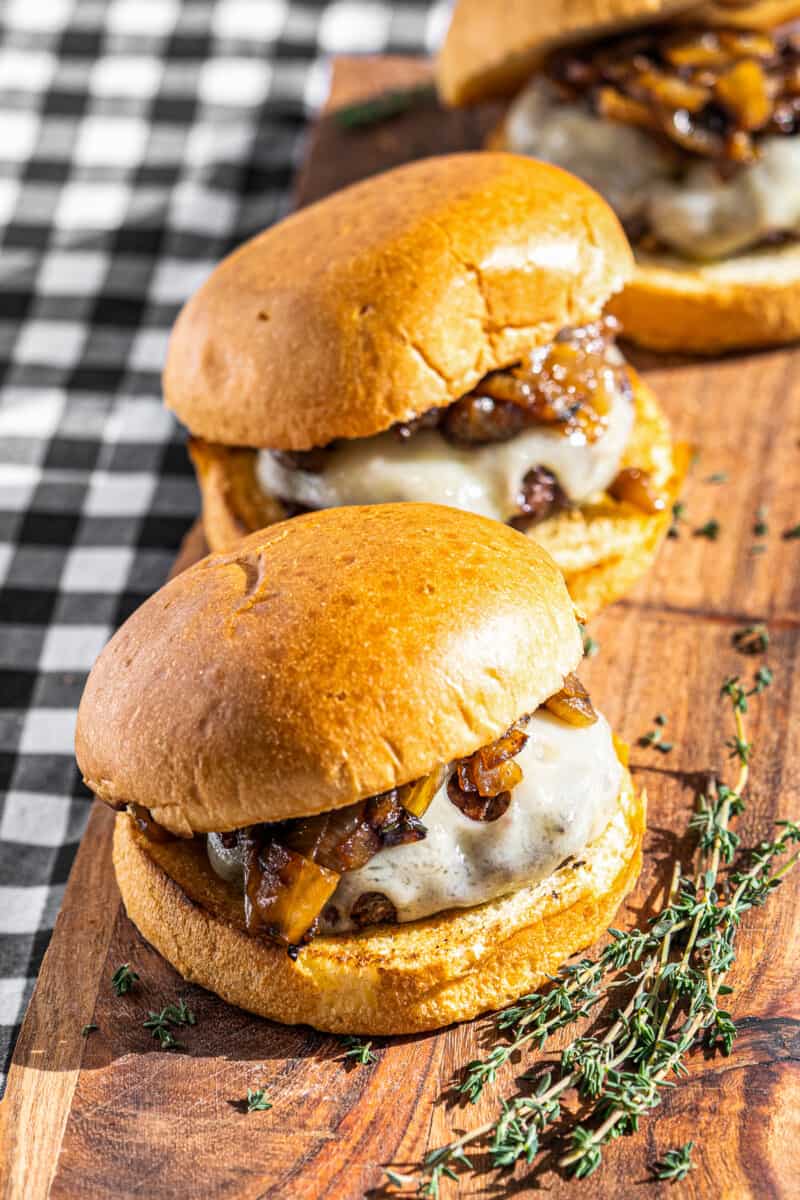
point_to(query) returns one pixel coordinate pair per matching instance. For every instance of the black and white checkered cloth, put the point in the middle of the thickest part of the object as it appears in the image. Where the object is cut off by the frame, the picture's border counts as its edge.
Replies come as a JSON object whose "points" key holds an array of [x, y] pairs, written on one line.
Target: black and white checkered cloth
{"points": [[139, 141]]}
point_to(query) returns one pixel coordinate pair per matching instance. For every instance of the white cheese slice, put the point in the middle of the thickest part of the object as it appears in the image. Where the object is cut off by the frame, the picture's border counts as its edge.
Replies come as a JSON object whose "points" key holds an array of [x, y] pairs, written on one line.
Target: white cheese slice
{"points": [[697, 213], [571, 780], [480, 479]]}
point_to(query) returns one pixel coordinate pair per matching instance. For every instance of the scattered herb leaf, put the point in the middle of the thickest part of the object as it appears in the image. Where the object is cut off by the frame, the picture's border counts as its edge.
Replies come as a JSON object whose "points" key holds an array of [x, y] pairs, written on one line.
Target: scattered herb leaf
{"points": [[678, 515], [87, 1029], [789, 535], [760, 526], [652, 739], [123, 979], [590, 646], [675, 1165], [257, 1100], [171, 1014], [358, 1051], [751, 639], [383, 106], [717, 477], [710, 530]]}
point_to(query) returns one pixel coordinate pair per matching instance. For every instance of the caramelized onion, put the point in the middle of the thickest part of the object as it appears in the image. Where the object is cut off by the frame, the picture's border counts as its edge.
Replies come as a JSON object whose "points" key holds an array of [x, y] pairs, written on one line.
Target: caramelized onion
{"points": [[709, 92], [284, 892], [569, 384], [634, 486], [416, 797], [572, 703], [481, 784]]}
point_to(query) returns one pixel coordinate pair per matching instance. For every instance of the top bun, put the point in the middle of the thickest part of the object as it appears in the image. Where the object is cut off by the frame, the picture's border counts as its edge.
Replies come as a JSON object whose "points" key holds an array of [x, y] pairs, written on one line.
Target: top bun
{"points": [[492, 50], [324, 660], [391, 297]]}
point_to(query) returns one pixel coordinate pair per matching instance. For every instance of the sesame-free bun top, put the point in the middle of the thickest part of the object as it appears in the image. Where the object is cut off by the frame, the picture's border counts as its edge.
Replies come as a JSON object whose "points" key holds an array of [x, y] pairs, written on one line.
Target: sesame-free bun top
{"points": [[391, 297], [492, 49], [324, 660]]}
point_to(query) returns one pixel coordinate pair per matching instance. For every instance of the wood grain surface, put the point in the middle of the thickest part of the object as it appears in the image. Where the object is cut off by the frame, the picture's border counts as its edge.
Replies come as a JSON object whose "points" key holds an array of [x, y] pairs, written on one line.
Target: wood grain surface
{"points": [[111, 1115]]}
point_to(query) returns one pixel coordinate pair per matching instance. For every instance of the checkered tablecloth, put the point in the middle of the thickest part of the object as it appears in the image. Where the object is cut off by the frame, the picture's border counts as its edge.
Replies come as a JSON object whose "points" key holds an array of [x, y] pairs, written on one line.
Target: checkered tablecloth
{"points": [[139, 141]]}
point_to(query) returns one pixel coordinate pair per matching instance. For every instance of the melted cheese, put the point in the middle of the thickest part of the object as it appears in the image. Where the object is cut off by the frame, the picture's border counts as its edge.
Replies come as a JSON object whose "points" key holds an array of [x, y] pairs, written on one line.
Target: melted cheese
{"points": [[480, 479], [571, 781], [620, 161], [699, 214]]}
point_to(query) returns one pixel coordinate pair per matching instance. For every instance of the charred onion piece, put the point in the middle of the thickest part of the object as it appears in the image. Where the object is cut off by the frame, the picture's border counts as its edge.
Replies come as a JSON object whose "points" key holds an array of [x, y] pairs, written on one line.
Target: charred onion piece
{"points": [[572, 703], [636, 487], [540, 494], [478, 808], [373, 908], [569, 384], [284, 891], [347, 838], [480, 785], [706, 91]]}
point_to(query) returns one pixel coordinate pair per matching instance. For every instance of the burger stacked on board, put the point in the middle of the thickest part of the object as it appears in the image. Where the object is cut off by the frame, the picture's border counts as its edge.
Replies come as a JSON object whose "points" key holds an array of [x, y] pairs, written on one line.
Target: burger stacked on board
{"points": [[434, 334], [359, 783], [685, 116]]}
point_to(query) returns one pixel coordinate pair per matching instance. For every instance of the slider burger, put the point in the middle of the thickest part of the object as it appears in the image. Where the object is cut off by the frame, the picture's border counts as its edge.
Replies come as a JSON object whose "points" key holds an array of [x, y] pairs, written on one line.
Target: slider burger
{"points": [[685, 116], [359, 784], [432, 334]]}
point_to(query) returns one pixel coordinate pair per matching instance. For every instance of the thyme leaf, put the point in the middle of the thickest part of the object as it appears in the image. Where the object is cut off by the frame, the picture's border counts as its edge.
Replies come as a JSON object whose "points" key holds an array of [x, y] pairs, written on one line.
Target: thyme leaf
{"points": [[673, 972], [123, 979], [675, 1165], [257, 1100], [358, 1051]]}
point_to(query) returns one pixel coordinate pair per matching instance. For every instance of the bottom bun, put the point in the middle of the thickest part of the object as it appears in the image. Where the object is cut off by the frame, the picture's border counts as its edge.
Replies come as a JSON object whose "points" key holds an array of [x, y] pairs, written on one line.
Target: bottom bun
{"points": [[387, 979], [746, 301], [602, 548]]}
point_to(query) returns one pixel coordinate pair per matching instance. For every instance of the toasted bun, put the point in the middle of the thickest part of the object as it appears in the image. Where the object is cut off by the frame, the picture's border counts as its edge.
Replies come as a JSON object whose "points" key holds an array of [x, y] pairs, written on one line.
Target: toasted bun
{"points": [[388, 979], [324, 660], [602, 548], [391, 297], [491, 50], [748, 300]]}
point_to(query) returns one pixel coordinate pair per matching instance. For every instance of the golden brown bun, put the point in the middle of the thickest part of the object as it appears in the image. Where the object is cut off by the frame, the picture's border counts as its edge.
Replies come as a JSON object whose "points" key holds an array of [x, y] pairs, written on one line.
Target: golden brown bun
{"points": [[602, 548], [491, 50], [389, 979], [748, 300], [389, 298], [324, 660], [671, 304]]}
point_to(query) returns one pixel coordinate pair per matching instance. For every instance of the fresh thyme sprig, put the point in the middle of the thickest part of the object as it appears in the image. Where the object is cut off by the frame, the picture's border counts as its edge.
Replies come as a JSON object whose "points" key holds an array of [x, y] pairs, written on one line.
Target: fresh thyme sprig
{"points": [[358, 1051], [675, 970], [123, 979]]}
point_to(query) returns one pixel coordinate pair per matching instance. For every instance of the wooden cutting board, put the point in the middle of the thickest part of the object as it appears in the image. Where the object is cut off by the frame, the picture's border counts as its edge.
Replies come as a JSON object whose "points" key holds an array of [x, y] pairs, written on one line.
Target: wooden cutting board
{"points": [[111, 1115]]}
